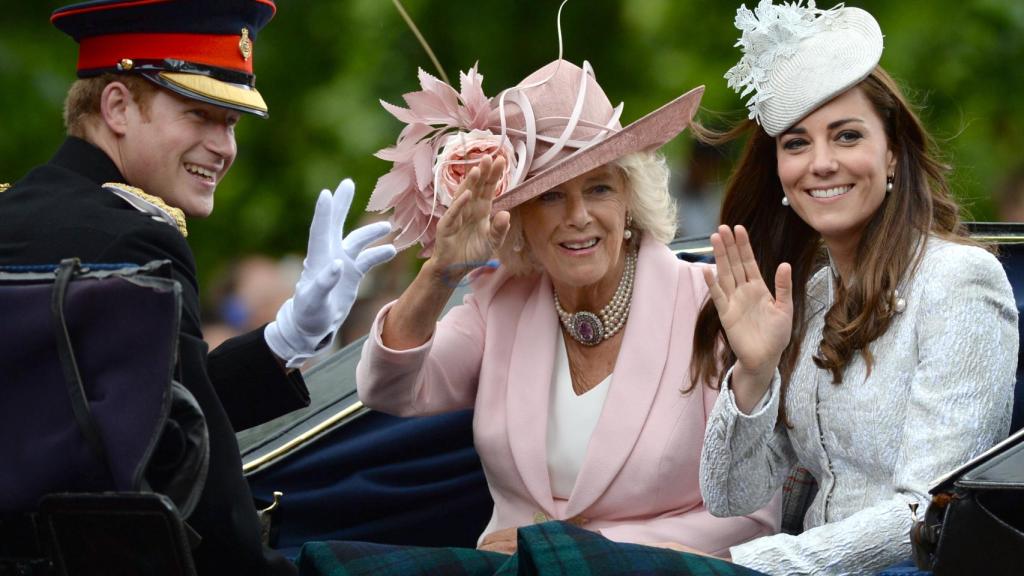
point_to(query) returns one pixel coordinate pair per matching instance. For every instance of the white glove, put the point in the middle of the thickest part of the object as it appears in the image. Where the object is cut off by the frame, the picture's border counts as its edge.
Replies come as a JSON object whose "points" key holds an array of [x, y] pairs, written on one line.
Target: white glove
{"points": [[331, 272]]}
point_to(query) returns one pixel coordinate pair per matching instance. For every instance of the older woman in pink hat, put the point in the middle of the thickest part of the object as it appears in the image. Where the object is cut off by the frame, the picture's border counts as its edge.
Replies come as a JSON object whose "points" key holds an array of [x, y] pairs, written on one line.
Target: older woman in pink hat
{"points": [[574, 350]]}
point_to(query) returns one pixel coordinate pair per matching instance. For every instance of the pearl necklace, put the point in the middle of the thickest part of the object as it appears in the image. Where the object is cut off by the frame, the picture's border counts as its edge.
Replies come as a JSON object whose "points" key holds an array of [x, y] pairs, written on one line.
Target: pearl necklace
{"points": [[591, 329]]}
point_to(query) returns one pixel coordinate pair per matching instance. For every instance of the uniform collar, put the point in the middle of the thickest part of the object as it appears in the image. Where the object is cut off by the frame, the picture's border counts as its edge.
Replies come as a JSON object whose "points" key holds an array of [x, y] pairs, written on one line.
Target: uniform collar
{"points": [[89, 161], [82, 157]]}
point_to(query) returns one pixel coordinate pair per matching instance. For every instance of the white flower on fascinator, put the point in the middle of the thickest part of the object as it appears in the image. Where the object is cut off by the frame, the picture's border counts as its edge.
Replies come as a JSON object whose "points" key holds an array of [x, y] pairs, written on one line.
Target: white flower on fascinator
{"points": [[435, 116], [769, 34]]}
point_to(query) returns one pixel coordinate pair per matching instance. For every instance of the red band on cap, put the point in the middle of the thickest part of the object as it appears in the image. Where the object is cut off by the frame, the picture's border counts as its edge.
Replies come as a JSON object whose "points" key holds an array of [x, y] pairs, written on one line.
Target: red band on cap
{"points": [[213, 50]]}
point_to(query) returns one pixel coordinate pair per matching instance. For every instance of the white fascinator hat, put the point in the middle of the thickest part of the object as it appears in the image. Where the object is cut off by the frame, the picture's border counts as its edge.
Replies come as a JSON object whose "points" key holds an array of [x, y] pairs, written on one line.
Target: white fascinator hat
{"points": [[797, 57]]}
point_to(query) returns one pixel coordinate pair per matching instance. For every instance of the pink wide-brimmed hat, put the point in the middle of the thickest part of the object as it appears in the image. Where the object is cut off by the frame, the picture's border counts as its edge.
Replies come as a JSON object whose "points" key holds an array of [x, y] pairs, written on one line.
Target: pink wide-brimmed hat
{"points": [[553, 126]]}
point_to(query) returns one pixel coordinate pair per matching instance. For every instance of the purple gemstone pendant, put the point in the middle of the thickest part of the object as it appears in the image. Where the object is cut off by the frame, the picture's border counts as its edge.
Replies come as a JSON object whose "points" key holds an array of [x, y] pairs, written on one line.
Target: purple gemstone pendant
{"points": [[588, 328]]}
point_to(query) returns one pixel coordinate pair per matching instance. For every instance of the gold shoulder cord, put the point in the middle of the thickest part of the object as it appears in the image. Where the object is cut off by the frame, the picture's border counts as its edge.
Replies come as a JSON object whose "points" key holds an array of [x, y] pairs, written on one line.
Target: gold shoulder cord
{"points": [[4, 186], [175, 213]]}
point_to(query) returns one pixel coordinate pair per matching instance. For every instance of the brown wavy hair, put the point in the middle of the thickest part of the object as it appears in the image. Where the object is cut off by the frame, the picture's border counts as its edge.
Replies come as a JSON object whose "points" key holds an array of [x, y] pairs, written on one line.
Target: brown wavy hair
{"points": [[919, 205], [83, 99]]}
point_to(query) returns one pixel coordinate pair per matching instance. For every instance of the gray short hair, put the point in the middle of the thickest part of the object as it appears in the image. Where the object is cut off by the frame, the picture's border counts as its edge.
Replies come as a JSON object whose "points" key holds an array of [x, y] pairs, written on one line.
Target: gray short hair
{"points": [[649, 202]]}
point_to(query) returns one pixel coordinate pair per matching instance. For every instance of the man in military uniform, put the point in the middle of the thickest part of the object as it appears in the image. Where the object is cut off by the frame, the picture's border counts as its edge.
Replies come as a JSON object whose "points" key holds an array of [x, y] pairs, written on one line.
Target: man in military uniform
{"points": [[150, 135]]}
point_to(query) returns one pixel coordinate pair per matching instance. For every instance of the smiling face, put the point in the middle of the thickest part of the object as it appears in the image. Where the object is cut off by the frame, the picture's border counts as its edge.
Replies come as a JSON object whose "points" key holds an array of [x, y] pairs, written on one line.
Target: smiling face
{"points": [[178, 149], [575, 231], [833, 166]]}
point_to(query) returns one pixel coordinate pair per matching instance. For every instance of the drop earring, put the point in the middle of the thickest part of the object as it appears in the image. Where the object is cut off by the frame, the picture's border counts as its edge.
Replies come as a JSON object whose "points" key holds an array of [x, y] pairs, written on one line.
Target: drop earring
{"points": [[628, 234], [889, 181], [785, 200]]}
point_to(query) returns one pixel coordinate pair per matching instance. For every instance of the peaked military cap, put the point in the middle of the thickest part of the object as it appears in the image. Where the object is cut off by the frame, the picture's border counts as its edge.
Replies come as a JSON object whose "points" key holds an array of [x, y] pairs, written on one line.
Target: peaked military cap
{"points": [[201, 49]]}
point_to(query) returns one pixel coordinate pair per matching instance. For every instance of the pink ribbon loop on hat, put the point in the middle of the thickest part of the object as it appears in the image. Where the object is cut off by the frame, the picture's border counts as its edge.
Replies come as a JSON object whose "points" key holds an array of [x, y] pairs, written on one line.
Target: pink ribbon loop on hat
{"points": [[524, 149], [577, 109], [532, 129]]}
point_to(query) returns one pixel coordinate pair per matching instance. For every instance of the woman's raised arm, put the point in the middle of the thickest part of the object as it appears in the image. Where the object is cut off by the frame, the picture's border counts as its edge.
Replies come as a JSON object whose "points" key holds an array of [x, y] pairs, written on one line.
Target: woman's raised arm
{"points": [[467, 236], [758, 326]]}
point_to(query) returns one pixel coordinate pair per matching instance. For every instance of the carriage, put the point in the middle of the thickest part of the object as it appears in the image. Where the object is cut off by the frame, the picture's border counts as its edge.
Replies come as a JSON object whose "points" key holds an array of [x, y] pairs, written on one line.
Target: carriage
{"points": [[337, 470]]}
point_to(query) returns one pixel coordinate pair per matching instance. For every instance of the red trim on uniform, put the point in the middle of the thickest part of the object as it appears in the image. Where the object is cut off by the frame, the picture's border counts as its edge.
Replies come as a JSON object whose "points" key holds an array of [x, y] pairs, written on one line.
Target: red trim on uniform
{"points": [[273, 7], [112, 6], [132, 3], [211, 49]]}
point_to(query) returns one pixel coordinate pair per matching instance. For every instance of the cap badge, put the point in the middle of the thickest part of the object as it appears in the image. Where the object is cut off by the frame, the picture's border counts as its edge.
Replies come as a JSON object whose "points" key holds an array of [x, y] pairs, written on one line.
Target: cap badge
{"points": [[245, 45]]}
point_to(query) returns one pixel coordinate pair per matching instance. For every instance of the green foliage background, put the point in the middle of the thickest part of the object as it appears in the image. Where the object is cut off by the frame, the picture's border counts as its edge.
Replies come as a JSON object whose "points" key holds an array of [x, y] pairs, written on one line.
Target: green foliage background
{"points": [[323, 64]]}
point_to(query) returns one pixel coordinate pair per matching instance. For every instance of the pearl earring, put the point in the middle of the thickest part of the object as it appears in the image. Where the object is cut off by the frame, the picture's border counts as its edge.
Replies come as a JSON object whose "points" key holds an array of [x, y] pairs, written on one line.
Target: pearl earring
{"points": [[888, 182], [785, 200], [629, 223]]}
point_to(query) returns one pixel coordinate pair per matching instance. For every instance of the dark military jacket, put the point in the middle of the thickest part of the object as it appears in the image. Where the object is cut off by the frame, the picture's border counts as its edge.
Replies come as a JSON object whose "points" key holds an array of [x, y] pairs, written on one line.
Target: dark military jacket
{"points": [[60, 210]]}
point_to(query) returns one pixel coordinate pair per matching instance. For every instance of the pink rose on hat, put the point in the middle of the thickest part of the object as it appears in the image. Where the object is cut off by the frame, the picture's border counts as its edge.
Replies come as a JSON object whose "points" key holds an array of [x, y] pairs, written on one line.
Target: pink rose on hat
{"points": [[463, 150], [435, 114]]}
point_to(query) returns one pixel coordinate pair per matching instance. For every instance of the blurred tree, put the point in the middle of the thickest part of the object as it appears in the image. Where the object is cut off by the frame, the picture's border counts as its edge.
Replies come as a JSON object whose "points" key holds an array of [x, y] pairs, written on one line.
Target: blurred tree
{"points": [[323, 65]]}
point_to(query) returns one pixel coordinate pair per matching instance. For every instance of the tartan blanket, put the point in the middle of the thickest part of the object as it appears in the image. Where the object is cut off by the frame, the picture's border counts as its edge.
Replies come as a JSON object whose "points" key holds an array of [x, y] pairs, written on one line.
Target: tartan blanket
{"points": [[551, 548], [798, 492]]}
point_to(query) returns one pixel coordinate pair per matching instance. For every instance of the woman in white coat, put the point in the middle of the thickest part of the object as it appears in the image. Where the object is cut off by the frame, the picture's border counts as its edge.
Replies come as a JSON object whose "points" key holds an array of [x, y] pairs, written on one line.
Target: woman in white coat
{"points": [[886, 355]]}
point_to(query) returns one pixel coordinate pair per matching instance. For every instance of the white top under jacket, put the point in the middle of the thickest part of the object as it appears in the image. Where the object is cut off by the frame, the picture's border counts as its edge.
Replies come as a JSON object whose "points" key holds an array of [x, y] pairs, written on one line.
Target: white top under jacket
{"points": [[571, 423]]}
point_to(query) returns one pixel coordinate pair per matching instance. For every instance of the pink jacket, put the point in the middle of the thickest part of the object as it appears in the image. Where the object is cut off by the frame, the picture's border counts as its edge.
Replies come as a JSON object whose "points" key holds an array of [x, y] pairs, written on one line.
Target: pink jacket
{"points": [[496, 353]]}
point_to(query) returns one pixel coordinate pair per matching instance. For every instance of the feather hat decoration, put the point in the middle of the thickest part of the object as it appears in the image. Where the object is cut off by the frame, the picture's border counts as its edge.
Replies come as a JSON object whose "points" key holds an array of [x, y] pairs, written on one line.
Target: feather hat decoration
{"points": [[435, 113], [797, 57]]}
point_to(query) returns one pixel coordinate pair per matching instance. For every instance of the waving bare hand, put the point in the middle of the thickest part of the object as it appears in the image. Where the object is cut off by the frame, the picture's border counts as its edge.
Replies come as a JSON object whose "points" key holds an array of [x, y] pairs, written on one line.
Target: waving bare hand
{"points": [[467, 234], [758, 326]]}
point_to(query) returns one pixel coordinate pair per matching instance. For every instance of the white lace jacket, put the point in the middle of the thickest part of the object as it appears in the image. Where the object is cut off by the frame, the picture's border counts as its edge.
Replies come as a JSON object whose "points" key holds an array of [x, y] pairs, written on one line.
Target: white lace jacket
{"points": [[940, 392]]}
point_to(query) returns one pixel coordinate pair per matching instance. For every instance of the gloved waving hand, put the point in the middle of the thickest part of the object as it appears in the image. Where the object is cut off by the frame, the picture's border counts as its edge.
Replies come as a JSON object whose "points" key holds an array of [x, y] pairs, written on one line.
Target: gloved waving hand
{"points": [[331, 272]]}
